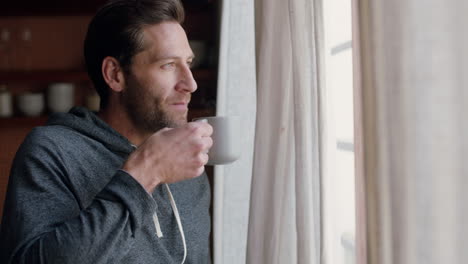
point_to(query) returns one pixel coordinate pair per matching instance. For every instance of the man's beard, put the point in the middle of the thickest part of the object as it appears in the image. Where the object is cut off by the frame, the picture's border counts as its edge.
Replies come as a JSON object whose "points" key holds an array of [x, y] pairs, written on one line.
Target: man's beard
{"points": [[147, 112]]}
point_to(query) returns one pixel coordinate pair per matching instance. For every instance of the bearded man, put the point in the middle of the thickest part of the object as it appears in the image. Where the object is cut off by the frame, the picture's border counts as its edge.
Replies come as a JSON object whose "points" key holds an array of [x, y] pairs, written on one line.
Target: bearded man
{"points": [[125, 184]]}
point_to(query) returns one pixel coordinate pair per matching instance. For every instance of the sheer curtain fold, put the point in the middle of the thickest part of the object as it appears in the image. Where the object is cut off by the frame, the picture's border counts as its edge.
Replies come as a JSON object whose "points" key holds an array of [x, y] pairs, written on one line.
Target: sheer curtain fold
{"points": [[236, 95], [413, 62], [284, 225]]}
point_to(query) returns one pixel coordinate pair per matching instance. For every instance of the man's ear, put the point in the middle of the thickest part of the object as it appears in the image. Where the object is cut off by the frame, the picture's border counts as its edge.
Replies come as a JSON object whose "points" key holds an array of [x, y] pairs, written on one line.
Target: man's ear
{"points": [[113, 74]]}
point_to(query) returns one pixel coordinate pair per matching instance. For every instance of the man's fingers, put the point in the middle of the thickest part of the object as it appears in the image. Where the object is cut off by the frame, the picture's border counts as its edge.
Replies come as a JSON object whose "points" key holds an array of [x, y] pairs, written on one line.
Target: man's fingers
{"points": [[201, 128], [201, 159], [209, 130], [198, 129], [208, 141]]}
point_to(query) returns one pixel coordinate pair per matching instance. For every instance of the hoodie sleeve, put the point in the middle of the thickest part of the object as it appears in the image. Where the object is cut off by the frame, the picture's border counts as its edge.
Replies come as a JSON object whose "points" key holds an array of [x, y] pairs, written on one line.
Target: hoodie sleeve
{"points": [[43, 220]]}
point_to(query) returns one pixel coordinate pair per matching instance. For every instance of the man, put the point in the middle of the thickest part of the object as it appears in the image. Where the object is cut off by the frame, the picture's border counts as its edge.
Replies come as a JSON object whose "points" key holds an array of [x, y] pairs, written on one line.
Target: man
{"points": [[122, 186]]}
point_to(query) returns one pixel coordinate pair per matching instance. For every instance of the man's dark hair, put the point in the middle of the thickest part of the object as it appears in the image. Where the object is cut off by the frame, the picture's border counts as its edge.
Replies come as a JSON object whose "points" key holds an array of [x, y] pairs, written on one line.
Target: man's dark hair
{"points": [[116, 31]]}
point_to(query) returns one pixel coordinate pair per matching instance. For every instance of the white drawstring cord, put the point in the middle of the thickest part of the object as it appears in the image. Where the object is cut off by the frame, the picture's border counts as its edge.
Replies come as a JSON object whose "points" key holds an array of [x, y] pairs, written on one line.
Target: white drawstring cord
{"points": [[179, 222], [157, 225], [177, 216]]}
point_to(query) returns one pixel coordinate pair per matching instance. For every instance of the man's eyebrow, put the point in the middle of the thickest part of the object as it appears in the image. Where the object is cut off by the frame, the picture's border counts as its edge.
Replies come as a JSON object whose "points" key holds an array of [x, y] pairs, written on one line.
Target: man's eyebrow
{"points": [[169, 57]]}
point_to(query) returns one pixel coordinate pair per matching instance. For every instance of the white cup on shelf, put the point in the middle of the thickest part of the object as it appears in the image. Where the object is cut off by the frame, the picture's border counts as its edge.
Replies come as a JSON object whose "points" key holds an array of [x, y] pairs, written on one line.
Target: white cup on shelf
{"points": [[60, 97], [6, 104], [93, 101], [31, 104]]}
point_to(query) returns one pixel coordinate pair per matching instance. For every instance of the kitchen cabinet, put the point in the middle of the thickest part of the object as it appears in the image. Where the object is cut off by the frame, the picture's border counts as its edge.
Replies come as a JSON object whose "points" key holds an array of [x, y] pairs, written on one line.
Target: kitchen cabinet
{"points": [[54, 53]]}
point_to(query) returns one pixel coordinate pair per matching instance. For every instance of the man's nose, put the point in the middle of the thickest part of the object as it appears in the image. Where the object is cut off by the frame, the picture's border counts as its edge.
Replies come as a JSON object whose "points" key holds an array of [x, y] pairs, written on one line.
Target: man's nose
{"points": [[187, 83]]}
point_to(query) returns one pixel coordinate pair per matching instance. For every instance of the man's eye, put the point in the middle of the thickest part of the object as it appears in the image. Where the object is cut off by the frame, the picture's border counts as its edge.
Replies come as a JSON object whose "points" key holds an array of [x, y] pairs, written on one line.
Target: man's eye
{"points": [[168, 65]]}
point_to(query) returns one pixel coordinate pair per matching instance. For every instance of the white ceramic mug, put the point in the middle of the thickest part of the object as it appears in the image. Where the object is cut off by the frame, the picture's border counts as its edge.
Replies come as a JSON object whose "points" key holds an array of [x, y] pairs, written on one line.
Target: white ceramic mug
{"points": [[31, 104], [60, 97], [226, 148], [6, 104], [93, 101]]}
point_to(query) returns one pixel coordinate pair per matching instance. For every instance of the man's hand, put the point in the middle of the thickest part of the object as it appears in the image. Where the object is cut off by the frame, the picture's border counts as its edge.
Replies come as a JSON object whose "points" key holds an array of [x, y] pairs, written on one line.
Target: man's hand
{"points": [[171, 155]]}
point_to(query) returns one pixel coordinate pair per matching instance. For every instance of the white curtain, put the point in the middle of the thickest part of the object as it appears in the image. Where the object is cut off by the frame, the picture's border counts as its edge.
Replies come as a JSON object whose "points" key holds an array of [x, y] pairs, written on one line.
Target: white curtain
{"points": [[413, 59], [284, 225], [236, 96]]}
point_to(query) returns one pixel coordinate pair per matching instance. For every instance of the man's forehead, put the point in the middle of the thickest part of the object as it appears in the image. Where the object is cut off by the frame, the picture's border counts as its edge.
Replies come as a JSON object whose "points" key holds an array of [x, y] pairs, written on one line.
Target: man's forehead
{"points": [[165, 32], [166, 39]]}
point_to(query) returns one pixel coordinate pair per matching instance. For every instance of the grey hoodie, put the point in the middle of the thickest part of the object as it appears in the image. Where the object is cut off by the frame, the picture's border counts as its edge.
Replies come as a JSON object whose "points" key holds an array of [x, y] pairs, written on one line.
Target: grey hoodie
{"points": [[68, 202]]}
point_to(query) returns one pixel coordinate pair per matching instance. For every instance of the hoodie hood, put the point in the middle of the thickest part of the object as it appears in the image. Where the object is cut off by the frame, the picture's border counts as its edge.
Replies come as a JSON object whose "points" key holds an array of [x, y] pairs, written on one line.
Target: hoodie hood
{"points": [[86, 122]]}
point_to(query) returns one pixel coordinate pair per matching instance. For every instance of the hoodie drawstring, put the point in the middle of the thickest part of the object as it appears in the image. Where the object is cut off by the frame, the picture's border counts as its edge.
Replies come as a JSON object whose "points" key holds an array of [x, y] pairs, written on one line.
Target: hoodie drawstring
{"points": [[179, 222], [177, 216]]}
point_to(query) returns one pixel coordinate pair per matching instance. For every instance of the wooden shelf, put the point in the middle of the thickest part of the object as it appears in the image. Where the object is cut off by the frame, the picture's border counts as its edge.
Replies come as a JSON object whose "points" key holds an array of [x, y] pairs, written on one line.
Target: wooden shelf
{"points": [[19, 121], [43, 76], [76, 76], [23, 121]]}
